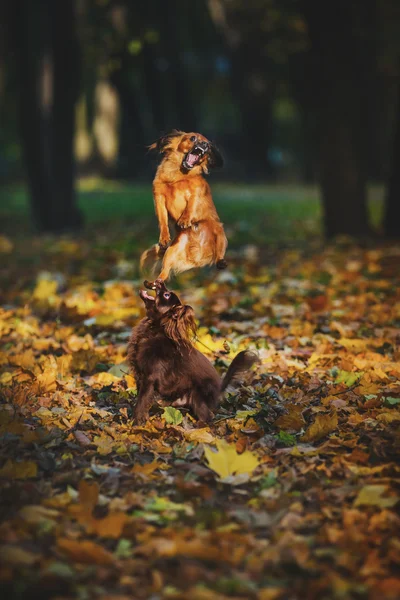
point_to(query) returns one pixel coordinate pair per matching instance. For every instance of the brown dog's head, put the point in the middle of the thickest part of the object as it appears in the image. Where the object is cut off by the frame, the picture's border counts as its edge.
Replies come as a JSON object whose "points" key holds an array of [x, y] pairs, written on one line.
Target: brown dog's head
{"points": [[166, 310], [191, 153]]}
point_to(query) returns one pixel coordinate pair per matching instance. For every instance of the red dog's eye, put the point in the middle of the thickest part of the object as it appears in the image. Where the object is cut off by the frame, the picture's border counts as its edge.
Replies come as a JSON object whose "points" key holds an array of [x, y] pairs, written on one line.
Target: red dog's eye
{"points": [[167, 295], [193, 138]]}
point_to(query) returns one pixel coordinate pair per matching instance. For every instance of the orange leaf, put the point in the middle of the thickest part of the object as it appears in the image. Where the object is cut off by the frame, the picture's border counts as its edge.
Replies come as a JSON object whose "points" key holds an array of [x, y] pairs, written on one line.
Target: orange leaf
{"points": [[85, 551], [293, 420], [322, 426], [88, 494]]}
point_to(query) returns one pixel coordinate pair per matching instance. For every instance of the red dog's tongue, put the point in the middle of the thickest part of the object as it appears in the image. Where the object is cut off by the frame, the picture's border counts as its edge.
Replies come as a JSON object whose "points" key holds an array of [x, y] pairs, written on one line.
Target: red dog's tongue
{"points": [[191, 159]]}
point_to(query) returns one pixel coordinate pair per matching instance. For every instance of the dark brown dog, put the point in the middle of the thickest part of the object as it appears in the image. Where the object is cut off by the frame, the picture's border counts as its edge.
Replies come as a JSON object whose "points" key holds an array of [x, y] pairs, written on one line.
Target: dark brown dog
{"points": [[165, 363], [183, 196]]}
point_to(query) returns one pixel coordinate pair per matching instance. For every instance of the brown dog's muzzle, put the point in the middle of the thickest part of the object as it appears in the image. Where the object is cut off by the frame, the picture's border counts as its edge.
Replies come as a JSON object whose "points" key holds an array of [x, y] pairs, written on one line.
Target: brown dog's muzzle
{"points": [[157, 285]]}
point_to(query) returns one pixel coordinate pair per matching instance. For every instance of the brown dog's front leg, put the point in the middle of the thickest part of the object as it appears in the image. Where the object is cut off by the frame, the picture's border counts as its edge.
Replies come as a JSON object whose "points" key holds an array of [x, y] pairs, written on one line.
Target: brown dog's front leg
{"points": [[145, 400]]}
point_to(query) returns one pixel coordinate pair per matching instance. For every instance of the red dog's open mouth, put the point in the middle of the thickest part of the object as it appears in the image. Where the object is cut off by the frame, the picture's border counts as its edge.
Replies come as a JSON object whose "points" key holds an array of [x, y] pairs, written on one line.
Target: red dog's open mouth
{"points": [[193, 157]]}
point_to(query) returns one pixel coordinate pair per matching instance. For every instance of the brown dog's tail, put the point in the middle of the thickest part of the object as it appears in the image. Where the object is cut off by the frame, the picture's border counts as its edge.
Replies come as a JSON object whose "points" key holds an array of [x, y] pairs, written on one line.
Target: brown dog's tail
{"points": [[240, 364], [150, 258]]}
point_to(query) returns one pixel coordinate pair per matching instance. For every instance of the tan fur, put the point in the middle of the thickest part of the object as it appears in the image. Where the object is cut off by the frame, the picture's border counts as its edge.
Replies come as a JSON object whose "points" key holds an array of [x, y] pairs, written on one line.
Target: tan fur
{"points": [[184, 197]]}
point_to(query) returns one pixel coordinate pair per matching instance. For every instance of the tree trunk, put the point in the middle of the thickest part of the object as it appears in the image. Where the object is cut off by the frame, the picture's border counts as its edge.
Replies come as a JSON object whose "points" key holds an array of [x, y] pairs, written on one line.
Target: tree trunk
{"points": [[183, 100], [29, 28], [132, 140], [66, 63], [255, 93], [46, 29], [391, 221], [339, 67]]}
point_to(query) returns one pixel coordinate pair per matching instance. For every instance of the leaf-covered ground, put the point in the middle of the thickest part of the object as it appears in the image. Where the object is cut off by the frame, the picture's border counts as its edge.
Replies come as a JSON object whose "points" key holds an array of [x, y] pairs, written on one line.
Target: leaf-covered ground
{"points": [[291, 493]]}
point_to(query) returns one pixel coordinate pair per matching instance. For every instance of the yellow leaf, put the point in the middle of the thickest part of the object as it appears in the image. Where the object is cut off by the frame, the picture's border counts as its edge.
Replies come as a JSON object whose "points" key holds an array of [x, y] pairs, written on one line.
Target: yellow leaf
{"points": [[374, 495], [45, 382], [389, 417], [206, 344], [147, 469], [103, 380], [34, 514], [323, 424], [85, 551], [19, 470], [45, 289], [104, 443], [201, 436], [13, 555], [6, 378], [226, 461], [6, 245]]}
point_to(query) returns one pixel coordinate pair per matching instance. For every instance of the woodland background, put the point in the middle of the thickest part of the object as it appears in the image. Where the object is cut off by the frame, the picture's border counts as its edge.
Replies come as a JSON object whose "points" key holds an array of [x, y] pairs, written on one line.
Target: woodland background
{"points": [[292, 492], [293, 91]]}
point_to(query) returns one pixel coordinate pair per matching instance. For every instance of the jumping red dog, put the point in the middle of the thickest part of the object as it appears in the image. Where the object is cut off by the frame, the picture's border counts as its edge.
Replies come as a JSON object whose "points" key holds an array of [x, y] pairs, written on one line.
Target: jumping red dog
{"points": [[182, 195]]}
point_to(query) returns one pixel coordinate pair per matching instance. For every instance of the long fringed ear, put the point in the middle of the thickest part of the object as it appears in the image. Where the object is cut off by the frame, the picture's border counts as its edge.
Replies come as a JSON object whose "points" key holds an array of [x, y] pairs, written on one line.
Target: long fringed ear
{"points": [[180, 325], [161, 145], [215, 160]]}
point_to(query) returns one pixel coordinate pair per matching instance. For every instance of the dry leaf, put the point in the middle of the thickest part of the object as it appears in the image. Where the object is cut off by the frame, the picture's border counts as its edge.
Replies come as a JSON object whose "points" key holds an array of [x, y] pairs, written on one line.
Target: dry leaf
{"points": [[322, 426], [19, 470], [226, 461], [375, 495], [85, 551]]}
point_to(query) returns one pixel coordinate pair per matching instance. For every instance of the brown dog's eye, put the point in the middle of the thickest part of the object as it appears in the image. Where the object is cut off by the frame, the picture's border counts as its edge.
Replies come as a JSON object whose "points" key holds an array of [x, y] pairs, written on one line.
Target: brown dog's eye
{"points": [[193, 138], [166, 295]]}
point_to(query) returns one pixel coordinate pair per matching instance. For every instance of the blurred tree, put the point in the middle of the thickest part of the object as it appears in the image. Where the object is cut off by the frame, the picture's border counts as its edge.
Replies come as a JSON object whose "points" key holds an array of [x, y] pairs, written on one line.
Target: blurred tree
{"points": [[253, 80], [339, 63], [391, 222], [47, 61]]}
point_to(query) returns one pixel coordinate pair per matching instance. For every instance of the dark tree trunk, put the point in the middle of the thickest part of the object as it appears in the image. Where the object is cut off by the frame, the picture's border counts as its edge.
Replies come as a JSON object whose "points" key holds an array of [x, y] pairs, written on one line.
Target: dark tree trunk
{"points": [[391, 222], [338, 65], [255, 93], [132, 139], [28, 27], [66, 76], [46, 28], [182, 96]]}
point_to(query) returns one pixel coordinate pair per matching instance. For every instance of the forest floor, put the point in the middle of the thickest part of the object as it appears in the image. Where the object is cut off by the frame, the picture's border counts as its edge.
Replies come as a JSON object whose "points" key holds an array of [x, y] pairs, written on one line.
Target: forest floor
{"points": [[292, 493]]}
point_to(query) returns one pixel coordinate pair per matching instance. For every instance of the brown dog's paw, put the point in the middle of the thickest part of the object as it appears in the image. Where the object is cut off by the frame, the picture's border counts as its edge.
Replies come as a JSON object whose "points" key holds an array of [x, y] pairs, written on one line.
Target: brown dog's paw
{"points": [[150, 285], [221, 264], [140, 418]]}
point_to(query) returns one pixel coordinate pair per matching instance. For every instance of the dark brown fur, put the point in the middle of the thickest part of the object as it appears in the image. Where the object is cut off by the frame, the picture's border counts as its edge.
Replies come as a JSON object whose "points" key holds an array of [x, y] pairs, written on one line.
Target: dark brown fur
{"points": [[183, 196], [165, 363]]}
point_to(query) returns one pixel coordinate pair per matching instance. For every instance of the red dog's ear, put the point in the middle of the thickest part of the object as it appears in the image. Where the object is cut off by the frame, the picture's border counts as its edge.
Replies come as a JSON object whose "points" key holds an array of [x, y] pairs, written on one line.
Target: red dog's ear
{"points": [[161, 145], [215, 160]]}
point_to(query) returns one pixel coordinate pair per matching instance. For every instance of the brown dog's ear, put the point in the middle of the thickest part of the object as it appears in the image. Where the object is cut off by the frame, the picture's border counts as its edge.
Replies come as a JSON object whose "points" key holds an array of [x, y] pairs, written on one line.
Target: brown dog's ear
{"points": [[180, 325], [215, 160], [161, 145]]}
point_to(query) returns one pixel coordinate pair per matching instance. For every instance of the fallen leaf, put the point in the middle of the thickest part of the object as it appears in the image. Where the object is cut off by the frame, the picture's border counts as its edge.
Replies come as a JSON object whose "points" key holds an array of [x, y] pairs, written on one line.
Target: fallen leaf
{"points": [[88, 494], [201, 436], [322, 426], [172, 415], [226, 461], [293, 420], [19, 470], [85, 551], [375, 495], [14, 555]]}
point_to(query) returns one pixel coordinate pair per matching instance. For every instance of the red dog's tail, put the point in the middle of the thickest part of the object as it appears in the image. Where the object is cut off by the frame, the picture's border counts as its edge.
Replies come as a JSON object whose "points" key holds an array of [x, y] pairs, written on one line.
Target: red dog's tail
{"points": [[150, 258]]}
